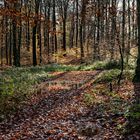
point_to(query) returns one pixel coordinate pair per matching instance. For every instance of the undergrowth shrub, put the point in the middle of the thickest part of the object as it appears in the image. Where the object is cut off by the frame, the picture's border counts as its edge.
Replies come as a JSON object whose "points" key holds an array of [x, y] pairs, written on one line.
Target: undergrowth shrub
{"points": [[112, 65], [133, 119], [112, 75], [108, 65], [101, 65], [16, 85]]}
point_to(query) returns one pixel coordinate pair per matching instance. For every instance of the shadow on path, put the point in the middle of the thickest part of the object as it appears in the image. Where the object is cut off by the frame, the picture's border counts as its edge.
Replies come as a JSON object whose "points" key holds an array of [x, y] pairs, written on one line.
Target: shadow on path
{"points": [[42, 108]]}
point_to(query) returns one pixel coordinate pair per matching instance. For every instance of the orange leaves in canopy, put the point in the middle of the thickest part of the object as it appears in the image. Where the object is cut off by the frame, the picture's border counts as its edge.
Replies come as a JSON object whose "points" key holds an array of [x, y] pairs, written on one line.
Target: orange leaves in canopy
{"points": [[15, 15], [11, 1], [12, 13]]}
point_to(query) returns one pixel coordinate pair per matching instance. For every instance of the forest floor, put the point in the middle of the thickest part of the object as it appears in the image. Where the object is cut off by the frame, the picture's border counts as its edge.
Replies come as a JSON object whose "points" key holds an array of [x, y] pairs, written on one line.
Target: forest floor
{"points": [[71, 106]]}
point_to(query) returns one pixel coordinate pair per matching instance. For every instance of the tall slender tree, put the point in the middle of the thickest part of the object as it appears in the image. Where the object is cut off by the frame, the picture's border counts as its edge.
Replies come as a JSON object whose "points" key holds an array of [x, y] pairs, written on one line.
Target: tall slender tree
{"points": [[136, 79], [16, 61], [34, 32]]}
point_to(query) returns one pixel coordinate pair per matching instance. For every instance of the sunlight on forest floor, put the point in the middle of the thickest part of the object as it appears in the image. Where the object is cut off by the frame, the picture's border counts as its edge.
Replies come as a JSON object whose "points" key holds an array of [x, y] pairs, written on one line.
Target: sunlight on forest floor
{"points": [[79, 112]]}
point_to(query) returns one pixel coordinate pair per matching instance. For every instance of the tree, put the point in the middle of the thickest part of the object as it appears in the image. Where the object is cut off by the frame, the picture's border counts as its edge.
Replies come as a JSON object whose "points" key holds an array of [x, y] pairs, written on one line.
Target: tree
{"points": [[16, 61], [54, 27], [34, 32], [82, 24], [47, 7], [134, 121], [63, 9], [136, 79], [90, 30]]}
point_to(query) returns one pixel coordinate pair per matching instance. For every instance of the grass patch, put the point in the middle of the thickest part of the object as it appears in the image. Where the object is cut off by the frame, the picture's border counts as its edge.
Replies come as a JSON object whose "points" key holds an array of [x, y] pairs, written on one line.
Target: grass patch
{"points": [[102, 65], [16, 85], [112, 75], [108, 65], [98, 65]]}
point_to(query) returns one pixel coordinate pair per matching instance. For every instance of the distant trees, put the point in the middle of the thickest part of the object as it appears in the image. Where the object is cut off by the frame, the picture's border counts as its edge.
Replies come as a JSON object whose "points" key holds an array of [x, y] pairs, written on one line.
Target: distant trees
{"points": [[41, 29], [63, 11]]}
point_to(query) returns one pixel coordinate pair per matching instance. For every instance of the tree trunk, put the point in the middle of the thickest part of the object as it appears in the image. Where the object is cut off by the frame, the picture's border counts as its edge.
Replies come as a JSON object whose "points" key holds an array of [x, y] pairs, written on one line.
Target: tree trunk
{"points": [[16, 61], [137, 72], [64, 35], [34, 33], [54, 27]]}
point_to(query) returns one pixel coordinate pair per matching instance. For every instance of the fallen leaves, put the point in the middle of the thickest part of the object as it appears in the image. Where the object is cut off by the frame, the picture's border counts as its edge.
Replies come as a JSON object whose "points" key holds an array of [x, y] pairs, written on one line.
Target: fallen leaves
{"points": [[58, 112]]}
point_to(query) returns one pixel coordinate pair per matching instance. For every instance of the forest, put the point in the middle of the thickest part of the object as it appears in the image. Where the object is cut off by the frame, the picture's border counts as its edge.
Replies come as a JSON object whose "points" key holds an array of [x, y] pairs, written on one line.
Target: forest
{"points": [[69, 69]]}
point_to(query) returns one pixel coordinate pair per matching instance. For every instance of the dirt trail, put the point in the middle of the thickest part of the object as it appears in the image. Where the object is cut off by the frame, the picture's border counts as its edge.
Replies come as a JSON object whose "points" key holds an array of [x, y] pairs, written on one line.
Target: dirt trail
{"points": [[58, 112]]}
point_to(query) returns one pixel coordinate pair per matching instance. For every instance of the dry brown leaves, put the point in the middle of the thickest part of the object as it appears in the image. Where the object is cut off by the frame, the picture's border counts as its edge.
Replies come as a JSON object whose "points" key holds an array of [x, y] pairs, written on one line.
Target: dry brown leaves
{"points": [[59, 113]]}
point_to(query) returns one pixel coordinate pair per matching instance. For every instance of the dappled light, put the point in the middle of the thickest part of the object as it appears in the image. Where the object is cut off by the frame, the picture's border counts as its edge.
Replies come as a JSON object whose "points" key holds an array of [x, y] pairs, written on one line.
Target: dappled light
{"points": [[69, 69]]}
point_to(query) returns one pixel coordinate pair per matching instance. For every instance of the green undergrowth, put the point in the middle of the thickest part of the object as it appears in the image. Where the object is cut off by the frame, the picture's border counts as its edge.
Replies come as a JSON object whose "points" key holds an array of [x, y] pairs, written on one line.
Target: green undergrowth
{"points": [[133, 117], [101, 65], [108, 65], [112, 75], [112, 107], [16, 85], [98, 65]]}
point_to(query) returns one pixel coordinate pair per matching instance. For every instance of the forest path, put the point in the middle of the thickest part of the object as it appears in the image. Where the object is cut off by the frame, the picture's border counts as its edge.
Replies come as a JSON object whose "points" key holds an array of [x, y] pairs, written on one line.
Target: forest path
{"points": [[58, 112]]}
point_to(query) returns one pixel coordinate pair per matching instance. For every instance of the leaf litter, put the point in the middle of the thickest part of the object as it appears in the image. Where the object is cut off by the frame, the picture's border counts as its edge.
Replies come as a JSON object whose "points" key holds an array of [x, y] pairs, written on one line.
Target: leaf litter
{"points": [[59, 111]]}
